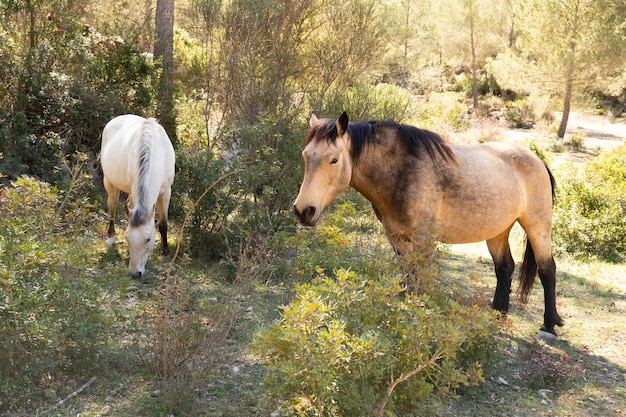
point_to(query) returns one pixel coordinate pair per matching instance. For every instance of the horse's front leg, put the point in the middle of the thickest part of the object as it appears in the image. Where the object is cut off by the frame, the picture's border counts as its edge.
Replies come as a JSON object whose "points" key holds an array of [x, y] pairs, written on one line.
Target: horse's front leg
{"points": [[417, 253], [504, 265], [163, 203], [113, 196]]}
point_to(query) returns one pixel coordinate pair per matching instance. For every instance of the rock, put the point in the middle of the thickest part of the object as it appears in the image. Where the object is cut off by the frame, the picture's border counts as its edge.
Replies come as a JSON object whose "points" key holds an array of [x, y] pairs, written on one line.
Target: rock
{"points": [[546, 336], [543, 393], [50, 394], [106, 410]]}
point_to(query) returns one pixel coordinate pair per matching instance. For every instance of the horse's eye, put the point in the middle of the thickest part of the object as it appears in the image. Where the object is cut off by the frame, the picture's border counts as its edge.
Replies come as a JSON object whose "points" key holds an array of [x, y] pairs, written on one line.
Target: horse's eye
{"points": [[334, 161], [148, 240]]}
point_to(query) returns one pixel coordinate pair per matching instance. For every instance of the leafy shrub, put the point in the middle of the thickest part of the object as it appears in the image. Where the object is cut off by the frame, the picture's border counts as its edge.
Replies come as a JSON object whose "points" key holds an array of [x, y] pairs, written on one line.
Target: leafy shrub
{"points": [[51, 319], [520, 115], [443, 112], [348, 236], [366, 102], [251, 182], [60, 96], [199, 172], [590, 215], [359, 345], [576, 141]]}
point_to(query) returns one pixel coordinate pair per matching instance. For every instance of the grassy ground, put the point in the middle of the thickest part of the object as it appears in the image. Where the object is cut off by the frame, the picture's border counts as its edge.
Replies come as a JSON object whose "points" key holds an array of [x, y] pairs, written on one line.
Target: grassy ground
{"points": [[582, 373]]}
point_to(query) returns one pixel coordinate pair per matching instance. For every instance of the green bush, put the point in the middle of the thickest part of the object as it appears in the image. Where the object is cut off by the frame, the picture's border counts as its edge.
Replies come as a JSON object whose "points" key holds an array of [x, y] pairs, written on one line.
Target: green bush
{"points": [[443, 112], [345, 238], [355, 345], [252, 185], [590, 215], [520, 115], [51, 319], [59, 96], [199, 171], [366, 102]]}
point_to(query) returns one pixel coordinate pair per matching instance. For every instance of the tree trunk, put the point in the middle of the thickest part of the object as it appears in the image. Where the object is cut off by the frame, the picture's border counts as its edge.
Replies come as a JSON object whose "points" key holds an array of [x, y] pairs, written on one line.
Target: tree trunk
{"points": [[567, 99], [164, 58], [472, 19], [31, 31]]}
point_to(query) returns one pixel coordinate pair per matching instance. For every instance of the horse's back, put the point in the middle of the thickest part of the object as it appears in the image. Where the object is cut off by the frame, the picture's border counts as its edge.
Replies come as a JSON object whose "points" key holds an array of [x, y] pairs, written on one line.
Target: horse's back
{"points": [[117, 150], [501, 164], [120, 125], [490, 187], [120, 151]]}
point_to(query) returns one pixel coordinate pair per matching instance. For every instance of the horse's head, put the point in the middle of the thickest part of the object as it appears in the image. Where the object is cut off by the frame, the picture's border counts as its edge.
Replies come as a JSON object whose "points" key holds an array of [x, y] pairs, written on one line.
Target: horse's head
{"points": [[140, 239], [327, 167]]}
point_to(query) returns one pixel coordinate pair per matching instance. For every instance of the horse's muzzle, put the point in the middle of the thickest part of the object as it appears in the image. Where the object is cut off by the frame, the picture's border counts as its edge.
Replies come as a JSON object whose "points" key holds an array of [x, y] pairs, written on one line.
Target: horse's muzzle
{"points": [[306, 216]]}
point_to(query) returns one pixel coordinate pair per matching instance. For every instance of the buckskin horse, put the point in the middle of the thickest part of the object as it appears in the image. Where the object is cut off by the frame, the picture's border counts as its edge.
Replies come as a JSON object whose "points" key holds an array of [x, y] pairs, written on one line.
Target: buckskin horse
{"points": [[137, 157], [413, 177]]}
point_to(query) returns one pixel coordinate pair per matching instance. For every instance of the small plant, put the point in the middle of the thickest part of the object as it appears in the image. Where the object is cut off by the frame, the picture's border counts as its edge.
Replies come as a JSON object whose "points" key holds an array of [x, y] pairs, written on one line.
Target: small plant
{"points": [[520, 115], [547, 367], [355, 345], [575, 142]]}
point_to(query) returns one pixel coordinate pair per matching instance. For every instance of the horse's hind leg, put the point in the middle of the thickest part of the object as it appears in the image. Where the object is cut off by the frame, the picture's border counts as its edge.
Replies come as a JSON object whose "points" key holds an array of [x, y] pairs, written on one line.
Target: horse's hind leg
{"points": [[547, 274], [163, 203], [504, 265], [538, 258], [113, 196]]}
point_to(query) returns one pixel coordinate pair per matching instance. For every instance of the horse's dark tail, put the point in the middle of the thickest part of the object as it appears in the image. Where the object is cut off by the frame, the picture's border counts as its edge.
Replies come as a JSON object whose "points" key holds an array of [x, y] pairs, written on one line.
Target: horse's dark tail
{"points": [[552, 184], [527, 273], [528, 269]]}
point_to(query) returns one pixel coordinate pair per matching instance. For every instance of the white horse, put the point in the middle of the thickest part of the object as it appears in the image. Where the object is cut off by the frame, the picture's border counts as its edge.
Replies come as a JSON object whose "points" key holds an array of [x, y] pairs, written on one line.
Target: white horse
{"points": [[137, 157]]}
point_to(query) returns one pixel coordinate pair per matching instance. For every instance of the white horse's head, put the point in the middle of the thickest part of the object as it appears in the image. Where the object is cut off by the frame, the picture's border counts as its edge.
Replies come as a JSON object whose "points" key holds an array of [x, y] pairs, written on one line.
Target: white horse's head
{"points": [[140, 241]]}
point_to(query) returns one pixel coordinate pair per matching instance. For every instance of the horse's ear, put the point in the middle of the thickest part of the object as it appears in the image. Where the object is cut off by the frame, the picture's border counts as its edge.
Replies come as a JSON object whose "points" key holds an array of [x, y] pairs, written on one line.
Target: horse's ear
{"points": [[342, 124], [313, 120]]}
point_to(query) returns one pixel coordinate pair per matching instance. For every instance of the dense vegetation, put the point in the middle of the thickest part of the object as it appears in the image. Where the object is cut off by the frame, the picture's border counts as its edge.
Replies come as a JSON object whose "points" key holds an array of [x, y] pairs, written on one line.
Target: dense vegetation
{"points": [[247, 75]]}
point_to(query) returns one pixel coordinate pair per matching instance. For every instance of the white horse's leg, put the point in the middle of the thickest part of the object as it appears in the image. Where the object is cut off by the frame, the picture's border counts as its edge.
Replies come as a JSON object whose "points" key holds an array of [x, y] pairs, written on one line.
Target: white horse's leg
{"points": [[163, 203], [113, 196]]}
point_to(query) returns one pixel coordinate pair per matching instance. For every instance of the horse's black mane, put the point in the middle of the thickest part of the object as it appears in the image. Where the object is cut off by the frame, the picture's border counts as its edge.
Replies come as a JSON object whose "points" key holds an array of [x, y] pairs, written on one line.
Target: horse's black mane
{"points": [[416, 141]]}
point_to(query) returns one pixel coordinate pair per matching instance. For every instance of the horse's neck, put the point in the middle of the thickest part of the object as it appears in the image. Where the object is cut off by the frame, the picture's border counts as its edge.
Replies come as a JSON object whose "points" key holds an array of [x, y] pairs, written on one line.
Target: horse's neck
{"points": [[389, 184]]}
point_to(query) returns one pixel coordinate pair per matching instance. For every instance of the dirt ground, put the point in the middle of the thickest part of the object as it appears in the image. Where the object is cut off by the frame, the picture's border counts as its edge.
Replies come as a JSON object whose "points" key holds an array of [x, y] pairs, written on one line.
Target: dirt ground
{"points": [[600, 132]]}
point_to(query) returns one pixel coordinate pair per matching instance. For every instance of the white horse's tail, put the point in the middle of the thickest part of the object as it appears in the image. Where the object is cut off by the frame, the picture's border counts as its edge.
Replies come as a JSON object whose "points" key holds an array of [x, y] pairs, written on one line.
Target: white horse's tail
{"points": [[140, 211]]}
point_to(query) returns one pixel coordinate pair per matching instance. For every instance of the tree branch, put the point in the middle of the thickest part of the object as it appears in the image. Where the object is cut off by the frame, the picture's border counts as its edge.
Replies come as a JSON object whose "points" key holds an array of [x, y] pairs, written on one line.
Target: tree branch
{"points": [[394, 383], [69, 397]]}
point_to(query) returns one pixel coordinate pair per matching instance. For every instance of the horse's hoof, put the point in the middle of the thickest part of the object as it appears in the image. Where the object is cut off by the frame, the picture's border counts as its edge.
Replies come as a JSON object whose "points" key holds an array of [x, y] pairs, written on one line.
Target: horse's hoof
{"points": [[546, 336]]}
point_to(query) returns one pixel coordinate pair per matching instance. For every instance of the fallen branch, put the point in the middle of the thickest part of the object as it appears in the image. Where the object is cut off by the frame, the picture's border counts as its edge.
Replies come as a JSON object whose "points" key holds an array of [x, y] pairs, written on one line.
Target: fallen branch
{"points": [[69, 397]]}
